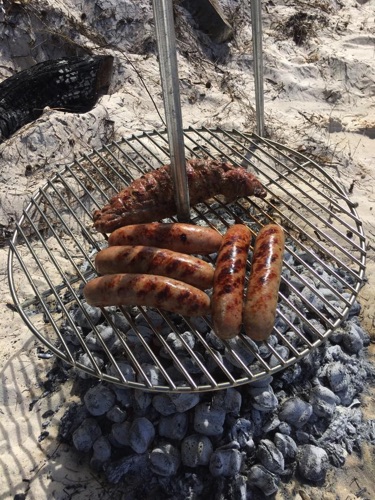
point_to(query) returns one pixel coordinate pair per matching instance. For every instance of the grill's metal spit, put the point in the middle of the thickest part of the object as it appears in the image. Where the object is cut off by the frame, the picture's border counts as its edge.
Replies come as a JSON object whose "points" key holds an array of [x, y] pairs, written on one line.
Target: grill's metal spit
{"points": [[166, 42]]}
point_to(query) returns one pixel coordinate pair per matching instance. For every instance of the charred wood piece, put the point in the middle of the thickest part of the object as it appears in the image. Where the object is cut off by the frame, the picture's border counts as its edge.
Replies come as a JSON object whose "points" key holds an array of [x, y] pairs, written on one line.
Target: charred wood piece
{"points": [[210, 18], [71, 84]]}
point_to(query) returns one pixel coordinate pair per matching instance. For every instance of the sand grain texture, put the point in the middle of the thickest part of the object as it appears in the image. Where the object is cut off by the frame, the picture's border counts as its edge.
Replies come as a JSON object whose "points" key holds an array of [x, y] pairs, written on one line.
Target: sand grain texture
{"points": [[319, 99]]}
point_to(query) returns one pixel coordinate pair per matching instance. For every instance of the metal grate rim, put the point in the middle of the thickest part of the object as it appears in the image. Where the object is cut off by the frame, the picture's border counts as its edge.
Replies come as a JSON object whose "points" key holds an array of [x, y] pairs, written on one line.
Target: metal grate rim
{"points": [[54, 244]]}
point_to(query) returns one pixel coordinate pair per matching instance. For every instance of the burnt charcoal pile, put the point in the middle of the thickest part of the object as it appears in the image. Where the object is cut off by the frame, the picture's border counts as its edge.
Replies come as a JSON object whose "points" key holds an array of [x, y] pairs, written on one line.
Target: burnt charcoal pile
{"points": [[238, 443]]}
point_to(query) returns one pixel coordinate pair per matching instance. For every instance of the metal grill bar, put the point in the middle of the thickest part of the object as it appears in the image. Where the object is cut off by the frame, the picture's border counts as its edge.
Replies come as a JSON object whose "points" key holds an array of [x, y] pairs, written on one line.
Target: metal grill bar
{"points": [[313, 272], [310, 198], [54, 246]]}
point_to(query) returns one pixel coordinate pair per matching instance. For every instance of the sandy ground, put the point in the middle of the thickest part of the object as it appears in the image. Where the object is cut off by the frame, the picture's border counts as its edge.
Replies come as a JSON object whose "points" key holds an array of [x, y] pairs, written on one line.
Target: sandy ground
{"points": [[323, 91]]}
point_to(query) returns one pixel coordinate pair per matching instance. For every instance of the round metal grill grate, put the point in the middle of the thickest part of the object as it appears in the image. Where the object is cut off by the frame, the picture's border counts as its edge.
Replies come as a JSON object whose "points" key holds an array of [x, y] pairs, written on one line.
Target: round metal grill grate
{"points": [[52, 251]]}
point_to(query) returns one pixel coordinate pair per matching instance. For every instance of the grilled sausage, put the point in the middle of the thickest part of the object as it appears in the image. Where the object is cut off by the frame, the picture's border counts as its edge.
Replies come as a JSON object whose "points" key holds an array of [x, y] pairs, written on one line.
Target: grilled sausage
{"points": [[264, 281], [180, 237], [151, 197], [147, 290], [159, 261], [229, 282]]}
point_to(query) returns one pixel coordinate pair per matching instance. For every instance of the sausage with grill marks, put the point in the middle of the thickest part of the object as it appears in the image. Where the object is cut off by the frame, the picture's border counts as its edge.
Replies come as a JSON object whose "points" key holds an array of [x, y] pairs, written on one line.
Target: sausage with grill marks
{"points": [[178, 236], [147, 290], [229, 282], [264, 282], [159, 261]]}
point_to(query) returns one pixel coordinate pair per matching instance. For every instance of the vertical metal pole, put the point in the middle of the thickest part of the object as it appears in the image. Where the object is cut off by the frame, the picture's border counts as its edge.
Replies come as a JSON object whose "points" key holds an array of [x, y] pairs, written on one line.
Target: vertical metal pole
{"points": [[166, 42], [256, 23]]}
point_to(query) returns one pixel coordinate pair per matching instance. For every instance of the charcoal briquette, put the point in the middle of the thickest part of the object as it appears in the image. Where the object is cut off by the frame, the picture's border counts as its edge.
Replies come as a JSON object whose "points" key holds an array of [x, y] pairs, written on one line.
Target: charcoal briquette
{"points": [[192, 366], [270, 456], [242, 431], [86, 315], [196, 450], [124, 396], [337, 376], [286, 445], [116, 414], [133, 336], [163, 404], [86, 361], [261, 478], [141, 434], [285, 428], [99, 399], [283, 353], [86, 434], [208, 420], [142, 401], [295, 412], [165, 460], [124, 368], [177, 342], [156, 320], [352, 341], [263, 398], [153, 374], [323, 401], [174, 426], [312, 462], [184, 401], [101, 449], [242, 357], [119, 434], [225, 462], [230, 400], [108, 338], [135, 464]]}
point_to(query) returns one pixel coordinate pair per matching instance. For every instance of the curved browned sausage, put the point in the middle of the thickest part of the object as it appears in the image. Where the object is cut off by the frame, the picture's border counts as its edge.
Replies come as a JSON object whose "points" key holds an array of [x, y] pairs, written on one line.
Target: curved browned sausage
{"points": [[147, 290], [264, 281], [178, 236], [229, 282], [151, 197], [159, 261]]}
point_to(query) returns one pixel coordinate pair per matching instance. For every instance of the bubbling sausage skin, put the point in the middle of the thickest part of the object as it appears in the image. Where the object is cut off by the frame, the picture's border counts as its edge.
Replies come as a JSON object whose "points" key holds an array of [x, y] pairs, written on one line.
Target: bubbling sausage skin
{"points": [[264, 282], [159, 261], [151, 196], [229, 281], [147, 290], [178, 236]]}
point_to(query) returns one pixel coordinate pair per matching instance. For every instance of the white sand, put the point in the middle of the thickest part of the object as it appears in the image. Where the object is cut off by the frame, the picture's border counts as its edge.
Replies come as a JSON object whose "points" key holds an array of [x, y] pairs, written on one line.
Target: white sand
{"points": [[319, 99]]}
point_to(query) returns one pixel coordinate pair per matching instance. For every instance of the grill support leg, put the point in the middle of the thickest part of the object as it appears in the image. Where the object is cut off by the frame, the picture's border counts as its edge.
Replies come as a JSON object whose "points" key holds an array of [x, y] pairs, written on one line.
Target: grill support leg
{"points": [[166, 41], [256, 22]]}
